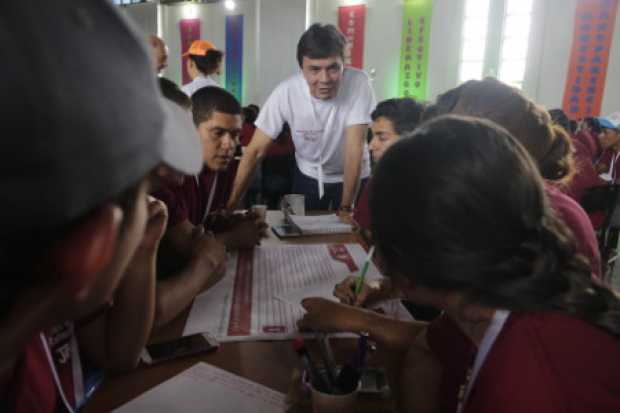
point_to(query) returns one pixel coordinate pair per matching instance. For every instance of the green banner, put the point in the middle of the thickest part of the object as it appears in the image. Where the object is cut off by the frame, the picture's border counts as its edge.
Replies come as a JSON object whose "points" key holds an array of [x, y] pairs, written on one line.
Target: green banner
{"points": [[413, 73]]}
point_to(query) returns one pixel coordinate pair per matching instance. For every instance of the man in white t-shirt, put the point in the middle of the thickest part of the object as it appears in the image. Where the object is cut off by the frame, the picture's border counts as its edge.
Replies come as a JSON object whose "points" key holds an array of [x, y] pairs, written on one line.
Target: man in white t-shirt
{"points": [[328, 109], [204, 61]]}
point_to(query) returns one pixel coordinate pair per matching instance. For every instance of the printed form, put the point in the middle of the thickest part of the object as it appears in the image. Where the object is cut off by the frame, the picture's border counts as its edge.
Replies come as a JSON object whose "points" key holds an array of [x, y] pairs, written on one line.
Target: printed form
{"points": [[259, 298], [205, 388]]}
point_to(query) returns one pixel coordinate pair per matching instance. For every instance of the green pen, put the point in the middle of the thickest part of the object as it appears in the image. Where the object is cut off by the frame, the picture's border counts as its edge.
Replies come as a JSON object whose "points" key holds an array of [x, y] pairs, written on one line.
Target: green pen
{"points": [[362, 275]]}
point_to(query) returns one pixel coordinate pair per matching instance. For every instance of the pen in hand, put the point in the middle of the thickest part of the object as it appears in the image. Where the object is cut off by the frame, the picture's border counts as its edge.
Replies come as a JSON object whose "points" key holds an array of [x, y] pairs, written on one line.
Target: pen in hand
{"points": [[362, 275]]}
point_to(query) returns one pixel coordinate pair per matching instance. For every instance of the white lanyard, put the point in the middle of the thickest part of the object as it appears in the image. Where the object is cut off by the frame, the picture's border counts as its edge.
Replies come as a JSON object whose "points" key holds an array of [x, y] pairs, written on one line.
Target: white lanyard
{"points": [[211, 196], [78, 381], [497, 323]]}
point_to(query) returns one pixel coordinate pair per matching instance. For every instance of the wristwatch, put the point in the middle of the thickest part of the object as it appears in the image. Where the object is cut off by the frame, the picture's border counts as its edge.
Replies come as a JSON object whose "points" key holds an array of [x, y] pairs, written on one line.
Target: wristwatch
{"points": [[345, 208]]}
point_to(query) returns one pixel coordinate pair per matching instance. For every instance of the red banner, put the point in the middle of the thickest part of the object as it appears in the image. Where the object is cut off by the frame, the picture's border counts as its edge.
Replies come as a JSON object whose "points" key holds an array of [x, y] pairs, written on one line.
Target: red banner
{"points": [[190, 31], [585, 83], [351, 21]]}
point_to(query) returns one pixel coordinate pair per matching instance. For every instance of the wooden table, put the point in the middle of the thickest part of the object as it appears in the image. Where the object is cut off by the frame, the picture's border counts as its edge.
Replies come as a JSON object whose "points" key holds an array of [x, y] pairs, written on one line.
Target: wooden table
{"points": [[270, 363]]}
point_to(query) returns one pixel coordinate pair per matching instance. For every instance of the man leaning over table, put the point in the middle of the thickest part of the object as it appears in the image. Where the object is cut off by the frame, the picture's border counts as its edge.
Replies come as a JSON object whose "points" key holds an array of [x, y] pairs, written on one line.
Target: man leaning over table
{"points": [[328, 108]]}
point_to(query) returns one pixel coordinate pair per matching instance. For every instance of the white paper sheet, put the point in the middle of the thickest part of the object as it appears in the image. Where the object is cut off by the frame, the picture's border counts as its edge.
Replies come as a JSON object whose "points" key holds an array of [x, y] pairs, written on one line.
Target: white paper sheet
{"points": [[205, 388], [321, 224], [244, 305]]}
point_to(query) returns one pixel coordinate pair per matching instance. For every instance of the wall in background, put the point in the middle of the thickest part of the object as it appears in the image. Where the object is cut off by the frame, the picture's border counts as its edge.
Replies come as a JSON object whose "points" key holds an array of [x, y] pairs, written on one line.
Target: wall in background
{"points": [[273, 27]]}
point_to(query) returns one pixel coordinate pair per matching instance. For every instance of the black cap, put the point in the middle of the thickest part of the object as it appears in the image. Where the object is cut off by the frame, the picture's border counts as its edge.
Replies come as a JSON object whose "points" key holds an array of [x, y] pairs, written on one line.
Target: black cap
{"points": [[82, 118]]}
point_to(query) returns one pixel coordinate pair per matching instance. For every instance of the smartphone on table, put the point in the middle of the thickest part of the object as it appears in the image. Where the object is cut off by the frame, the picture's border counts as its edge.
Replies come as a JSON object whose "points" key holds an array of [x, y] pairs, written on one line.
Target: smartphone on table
{"points": [[181, 347]]}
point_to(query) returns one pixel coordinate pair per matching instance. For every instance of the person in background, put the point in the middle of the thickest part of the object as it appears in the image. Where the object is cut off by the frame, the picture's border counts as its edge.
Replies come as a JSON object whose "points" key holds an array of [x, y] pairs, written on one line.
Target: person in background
{"points": [[503, 268], [80, 235], [159, 53], [327, 107], [204, 62], [391, 119], [558, 117], [596, 159]]}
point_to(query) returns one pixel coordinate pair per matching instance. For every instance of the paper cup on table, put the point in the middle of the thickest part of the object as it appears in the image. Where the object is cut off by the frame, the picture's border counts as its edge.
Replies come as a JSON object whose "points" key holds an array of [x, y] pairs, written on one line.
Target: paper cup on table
{"points": [[260, 211], [296, 202]]}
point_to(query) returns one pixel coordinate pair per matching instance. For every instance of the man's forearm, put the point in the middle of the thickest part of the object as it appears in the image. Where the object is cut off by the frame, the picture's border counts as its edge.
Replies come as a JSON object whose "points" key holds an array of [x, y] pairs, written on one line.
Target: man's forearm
{"points": [[176, 293], [247, 166], [253, 154], [352, 163]]}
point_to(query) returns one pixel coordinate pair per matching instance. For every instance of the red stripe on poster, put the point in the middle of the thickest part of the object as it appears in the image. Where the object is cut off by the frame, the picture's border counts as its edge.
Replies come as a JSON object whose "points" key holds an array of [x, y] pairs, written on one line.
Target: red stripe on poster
{"points": [[351, 21], [339, 252], [585, 83], [240, 322], [190, 31]]}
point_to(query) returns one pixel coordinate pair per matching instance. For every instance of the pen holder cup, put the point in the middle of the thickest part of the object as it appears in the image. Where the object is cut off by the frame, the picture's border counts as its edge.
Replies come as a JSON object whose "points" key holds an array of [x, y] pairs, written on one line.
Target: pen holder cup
{"points": [[324, 402]]}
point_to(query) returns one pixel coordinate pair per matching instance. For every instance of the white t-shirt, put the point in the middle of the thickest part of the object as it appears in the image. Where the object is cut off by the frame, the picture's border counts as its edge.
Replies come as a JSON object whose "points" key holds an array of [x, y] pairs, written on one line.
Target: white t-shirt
{"points": [[198, 83], [318, 126]]}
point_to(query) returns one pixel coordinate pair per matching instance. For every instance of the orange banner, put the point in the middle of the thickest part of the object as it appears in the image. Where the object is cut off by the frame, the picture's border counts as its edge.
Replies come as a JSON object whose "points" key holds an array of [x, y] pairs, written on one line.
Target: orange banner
{"points": [[585, 83]]}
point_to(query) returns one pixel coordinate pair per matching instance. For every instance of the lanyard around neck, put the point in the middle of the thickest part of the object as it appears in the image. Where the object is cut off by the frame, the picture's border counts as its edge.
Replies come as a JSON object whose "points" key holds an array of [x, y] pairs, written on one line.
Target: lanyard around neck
{"points": [[491, 334], [78, 382]]}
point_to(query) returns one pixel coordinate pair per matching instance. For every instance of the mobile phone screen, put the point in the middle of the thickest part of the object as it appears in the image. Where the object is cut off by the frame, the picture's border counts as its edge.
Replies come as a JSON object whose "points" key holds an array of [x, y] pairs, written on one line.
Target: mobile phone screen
{"points": [[184, 346]]}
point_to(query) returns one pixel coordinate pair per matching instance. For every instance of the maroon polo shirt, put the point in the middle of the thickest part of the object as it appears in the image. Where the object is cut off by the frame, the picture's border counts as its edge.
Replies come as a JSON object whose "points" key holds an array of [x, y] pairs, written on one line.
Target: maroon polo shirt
{"points": [[541, 362], [189, 200]]}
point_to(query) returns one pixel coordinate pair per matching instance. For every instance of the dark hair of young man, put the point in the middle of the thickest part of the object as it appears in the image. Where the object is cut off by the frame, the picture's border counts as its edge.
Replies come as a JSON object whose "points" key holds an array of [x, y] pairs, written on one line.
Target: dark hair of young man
{"points": [[173, 92], [209, 63], [321, 41], [211, 99], [404, 113], [249, 114]]}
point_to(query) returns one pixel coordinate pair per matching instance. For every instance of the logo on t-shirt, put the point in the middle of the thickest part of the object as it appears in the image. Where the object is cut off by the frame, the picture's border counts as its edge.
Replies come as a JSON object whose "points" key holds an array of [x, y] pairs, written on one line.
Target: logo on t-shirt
{"points": [[311, 136]]}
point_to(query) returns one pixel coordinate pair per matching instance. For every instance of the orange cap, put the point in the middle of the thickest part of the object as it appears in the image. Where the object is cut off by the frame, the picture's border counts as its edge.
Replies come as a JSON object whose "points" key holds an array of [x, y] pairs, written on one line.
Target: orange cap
{"points": [[200, 48]]}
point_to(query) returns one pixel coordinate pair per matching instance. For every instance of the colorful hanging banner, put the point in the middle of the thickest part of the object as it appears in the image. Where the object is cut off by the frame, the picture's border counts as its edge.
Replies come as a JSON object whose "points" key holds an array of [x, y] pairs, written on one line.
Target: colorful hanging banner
{"points": [[592, 35], [412, 79], [351, 21], [234, 55], [190, 31]]}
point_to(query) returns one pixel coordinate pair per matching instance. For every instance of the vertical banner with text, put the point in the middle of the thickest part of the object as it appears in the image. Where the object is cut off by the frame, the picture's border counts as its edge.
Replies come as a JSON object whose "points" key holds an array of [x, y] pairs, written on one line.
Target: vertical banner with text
{"points": [[592, 35], [351, 21], [234, 55], [190, 31], [413, 74]]}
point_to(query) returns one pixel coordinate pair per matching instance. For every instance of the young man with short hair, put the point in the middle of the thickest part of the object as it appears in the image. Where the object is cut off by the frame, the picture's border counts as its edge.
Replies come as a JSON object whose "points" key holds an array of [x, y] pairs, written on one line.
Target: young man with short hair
{"points": [[391, 119], [80, 235], [203, 61], [328, 109], [194, 206]]}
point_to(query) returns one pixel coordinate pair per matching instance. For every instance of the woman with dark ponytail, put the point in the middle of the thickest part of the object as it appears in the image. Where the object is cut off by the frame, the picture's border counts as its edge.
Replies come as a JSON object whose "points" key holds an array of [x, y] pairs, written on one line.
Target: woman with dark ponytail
{"points": [[502, 267], [548, 144]]}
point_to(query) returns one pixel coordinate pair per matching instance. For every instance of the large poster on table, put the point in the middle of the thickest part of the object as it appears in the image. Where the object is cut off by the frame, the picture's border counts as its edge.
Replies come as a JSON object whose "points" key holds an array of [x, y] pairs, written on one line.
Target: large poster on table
{"points": [[351, 21], [413, 75], [592, 35], [234, 55], [190, 31]]}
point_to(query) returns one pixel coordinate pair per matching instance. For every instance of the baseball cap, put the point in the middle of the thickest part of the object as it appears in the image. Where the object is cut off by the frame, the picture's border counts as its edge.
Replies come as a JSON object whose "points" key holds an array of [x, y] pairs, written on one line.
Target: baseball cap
{"points": [[610, 121], [82, 116], [199, 48]]}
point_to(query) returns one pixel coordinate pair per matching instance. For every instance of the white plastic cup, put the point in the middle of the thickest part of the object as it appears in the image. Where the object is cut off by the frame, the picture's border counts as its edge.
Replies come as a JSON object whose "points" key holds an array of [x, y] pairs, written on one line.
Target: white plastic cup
{"points": [[296, 202], [260, 211]]}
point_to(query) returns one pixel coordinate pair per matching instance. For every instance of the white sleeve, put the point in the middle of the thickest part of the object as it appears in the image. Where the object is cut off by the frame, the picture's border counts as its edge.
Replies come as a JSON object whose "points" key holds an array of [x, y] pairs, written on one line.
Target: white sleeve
{"points": [[271, 117], [363, 103]]}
